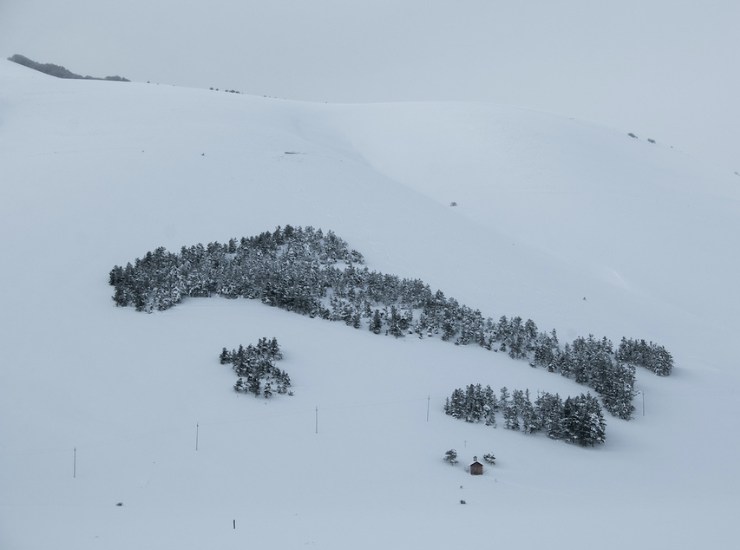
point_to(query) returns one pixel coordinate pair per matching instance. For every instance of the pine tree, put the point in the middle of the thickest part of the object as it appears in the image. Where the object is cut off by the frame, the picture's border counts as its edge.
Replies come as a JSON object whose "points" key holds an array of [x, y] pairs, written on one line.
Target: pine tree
{"points": [[491, 406], [376, 325], [511, 418], [451, 457], [569, 423], [457, 404], [267, 391], [254, 385], [394, 326], [583, 421], [550, 413], [275, 352], [530, 421]]}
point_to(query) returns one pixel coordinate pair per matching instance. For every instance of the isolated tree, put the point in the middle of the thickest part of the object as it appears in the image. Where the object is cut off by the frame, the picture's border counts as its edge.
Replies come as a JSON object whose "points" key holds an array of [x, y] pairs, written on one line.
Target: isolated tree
{"points": [[376, 325]]}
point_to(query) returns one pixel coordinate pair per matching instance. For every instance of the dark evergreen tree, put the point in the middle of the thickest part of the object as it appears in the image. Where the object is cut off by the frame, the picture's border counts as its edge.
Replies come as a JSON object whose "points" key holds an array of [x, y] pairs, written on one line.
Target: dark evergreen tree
{"points": [[530, 420], [254, 385], [394, 325], [511, 416], [546, 351], [376, 325], [583, 422], [490, 406], [550, 414]]}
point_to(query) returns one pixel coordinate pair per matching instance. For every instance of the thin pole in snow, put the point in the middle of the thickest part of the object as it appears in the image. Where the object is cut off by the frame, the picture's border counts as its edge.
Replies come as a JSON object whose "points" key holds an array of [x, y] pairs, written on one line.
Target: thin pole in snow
{"points": [[234, 523], [197, 429], [429, 398]]}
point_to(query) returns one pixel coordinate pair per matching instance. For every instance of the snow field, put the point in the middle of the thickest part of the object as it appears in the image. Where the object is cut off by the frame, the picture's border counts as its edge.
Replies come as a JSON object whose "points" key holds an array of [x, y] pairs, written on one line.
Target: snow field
{"points": [[95, 174]]}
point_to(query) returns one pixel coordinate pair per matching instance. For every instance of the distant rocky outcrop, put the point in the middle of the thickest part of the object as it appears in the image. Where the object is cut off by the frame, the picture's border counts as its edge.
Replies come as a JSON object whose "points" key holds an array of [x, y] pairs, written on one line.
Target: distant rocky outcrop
{"points": [[57, 70]]}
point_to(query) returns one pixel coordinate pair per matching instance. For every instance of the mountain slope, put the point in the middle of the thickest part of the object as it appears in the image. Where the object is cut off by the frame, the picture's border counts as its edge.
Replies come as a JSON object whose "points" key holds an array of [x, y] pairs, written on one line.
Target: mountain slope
{"points": [[97, 173], [662, 69]]}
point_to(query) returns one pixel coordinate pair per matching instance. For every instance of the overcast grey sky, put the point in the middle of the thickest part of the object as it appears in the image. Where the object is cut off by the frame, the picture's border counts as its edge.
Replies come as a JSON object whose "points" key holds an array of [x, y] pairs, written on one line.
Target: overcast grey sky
{"points": [[667, 68]]}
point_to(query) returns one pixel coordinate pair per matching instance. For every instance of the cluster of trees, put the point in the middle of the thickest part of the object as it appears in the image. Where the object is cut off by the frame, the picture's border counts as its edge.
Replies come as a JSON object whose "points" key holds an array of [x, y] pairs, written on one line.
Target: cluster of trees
{"points": [[57, 70], [255, 367], [592, 362], [577, 420], [317, 274], [289, 268], [645, 354]]}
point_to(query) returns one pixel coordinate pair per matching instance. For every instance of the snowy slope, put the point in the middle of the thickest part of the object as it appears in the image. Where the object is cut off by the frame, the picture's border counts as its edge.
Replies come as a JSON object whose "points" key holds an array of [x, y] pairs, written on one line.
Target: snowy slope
{"points": [[662, 69], [549, 211]]}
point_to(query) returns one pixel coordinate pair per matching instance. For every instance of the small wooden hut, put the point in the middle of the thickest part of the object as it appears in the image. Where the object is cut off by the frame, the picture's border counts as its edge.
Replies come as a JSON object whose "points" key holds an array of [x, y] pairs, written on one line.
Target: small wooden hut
{"points": [[476, 468]]}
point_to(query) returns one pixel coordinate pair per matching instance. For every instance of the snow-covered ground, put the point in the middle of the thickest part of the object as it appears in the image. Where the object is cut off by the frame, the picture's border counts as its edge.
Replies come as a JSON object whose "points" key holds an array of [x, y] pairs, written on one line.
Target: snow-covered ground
{"points": [[664, 69], [549, 211]]}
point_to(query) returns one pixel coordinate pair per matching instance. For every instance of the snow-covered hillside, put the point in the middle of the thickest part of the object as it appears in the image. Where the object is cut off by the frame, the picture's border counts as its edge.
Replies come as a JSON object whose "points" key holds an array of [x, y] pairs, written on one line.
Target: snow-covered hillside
{"points": [[663, 69], [579, 227]]}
